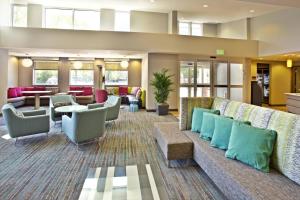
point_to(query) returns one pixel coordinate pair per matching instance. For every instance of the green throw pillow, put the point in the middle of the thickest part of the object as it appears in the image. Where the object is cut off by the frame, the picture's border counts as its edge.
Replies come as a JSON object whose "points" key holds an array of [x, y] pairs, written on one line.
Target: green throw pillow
{"points": [[251, 145], [198, 117], [208, 126], [222, 132]]}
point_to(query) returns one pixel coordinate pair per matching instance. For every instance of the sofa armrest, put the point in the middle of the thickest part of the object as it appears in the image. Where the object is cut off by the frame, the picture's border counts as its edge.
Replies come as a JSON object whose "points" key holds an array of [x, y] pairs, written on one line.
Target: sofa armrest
{"points": [[95, 105], [34, 113], [187, 104]]}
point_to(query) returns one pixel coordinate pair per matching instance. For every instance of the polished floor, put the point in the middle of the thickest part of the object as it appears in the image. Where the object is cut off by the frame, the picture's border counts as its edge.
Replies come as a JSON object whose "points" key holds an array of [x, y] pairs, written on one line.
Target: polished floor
{"points": [[52, 168]]}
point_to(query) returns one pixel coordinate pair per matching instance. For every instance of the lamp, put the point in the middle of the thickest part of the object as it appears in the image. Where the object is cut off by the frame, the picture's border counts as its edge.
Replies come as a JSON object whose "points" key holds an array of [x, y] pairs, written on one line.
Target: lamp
{"points": [[289, 63], [27, 62], [124, 64], [77, 65]]}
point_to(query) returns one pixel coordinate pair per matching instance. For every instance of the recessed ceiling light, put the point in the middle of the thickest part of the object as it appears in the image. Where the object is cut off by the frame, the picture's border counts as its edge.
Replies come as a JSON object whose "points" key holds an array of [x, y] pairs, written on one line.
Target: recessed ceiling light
{"points": [[205, 6], [152, 1], [260, 58], [252, 11]]}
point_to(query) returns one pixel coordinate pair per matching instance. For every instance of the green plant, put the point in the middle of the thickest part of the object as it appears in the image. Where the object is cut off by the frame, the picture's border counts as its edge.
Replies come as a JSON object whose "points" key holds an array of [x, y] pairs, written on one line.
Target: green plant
{"points": [[162, 85]]}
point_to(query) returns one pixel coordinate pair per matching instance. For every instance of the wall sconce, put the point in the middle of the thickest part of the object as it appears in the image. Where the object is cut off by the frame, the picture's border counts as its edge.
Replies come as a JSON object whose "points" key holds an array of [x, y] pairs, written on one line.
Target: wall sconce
{"points": [[289, 63]]}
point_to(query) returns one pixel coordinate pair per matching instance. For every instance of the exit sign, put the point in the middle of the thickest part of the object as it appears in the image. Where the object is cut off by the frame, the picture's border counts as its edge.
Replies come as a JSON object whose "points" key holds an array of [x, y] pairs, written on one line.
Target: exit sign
{"points": [[220, 52]]}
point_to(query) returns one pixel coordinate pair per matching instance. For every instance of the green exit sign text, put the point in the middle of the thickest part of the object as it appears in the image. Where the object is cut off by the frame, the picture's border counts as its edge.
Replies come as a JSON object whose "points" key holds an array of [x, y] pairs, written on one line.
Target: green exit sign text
{"points": [[220, 52]]}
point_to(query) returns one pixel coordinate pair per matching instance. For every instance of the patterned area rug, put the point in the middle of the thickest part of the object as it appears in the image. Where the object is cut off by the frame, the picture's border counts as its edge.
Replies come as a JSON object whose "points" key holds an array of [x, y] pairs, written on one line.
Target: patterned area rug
{"points": [[52, 168]]}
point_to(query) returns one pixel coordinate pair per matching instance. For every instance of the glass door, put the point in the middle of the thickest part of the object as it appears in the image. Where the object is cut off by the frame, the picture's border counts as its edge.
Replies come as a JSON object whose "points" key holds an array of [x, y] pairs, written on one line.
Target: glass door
{"points": [[203, 79], [187, 79]]}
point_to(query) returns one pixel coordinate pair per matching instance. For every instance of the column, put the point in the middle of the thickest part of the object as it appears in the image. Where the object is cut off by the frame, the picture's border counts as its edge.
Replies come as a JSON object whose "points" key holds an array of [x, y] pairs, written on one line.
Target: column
{"points": [[35, 16], [4, 74], [5, 13], [173, 22], [107, 20]]}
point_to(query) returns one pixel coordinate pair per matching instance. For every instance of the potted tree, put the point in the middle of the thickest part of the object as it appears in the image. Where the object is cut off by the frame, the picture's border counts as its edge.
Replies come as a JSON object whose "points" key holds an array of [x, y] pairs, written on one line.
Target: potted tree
{"points": [[162, 87]]}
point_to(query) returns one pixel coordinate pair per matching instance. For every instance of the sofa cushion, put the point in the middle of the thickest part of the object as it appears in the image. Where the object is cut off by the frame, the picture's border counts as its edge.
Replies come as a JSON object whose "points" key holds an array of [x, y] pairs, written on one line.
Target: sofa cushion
{"points": [[39, 88], [134, 90], [238, 181], [220, 104], [123, 90], [12, 93], [198, 118], [260, 117], [208, 126], [186, 109], [87, 91], [16, 99], [19, 91], [232, 108], [138, 94], [244, 111], [286, 156], [251, 145], [77, 88]]}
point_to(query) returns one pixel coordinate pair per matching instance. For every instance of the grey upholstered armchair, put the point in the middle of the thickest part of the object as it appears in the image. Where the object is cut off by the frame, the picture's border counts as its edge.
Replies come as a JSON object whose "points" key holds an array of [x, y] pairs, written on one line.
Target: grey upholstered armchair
{"points": [[25, 123], [84, 125], [59, 99], [113, 104]]}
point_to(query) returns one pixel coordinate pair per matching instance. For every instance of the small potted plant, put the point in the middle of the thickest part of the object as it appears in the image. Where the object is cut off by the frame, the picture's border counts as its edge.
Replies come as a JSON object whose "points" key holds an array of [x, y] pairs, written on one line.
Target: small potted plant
{"points": [[162, 87]]}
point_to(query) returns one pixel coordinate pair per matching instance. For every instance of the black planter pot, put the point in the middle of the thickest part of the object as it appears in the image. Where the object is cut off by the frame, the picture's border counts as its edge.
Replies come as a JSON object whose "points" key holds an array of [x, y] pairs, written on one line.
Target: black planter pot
{"points": [[162, 109]]}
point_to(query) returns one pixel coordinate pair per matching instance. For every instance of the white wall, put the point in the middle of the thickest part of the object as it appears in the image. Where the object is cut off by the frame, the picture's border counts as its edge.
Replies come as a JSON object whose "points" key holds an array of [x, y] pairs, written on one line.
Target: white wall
{"points": [[5, 13], [128, 41], [107, 20], [277, 32], [35, 15], [234, 30], [13, 72], [210, 30], [3, 76], [150, 22]]}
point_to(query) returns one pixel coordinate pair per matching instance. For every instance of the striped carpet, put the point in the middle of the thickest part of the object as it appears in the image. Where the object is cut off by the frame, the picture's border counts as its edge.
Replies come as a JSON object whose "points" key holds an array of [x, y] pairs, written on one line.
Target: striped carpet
{"points": [[52, 168]]}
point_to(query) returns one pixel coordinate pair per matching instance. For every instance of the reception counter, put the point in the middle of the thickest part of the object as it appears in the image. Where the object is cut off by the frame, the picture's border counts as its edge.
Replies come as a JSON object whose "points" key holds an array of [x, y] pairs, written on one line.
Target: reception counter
{"points": [[293, 103]]}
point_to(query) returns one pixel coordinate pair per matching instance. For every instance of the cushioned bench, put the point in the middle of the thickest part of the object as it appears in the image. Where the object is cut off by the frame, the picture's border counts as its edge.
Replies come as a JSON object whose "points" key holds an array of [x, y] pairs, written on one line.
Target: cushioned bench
{"points": [[173, 144]]}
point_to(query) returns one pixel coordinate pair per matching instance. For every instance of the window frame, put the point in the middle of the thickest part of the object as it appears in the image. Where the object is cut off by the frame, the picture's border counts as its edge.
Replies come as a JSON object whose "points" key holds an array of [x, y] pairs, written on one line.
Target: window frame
{"points": [[109, 85], [73, 17], [190, 27], [13, 16], [70, 77], [33, 77]]}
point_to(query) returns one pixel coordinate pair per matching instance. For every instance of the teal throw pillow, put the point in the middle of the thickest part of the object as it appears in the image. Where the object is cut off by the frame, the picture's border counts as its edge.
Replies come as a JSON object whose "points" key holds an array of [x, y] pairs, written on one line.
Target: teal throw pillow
{"points": [[222, 132], [251, 145], [208, 126], [198, 117]]}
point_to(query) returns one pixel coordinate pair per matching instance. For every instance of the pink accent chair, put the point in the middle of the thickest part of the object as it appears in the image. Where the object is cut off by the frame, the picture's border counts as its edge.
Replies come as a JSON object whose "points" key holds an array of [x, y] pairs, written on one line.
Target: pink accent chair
{"points": [[101, 96]]}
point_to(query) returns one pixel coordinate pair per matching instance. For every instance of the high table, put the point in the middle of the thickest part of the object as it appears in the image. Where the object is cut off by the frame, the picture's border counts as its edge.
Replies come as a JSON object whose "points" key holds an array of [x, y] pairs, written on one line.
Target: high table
{"points": [[37, 99], [74, 93]]}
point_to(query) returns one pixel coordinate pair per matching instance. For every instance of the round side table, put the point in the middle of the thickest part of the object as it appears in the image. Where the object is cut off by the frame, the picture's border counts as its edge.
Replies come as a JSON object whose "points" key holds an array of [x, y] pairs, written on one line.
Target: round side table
{"points": [[133, 106]]}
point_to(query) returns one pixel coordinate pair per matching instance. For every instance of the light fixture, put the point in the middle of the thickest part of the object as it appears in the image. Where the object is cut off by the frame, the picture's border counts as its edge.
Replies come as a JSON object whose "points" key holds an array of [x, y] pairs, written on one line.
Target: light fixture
{"points": [[152, 1], [27, 62], [205, 6], [124, 64], [289, 63], [77, 65], [252, 11]]}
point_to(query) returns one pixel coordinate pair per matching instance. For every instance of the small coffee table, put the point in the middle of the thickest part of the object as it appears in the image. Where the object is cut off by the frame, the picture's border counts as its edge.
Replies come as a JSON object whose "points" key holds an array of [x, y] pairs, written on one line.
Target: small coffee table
{"points": [[70, 109], [143, 181]]}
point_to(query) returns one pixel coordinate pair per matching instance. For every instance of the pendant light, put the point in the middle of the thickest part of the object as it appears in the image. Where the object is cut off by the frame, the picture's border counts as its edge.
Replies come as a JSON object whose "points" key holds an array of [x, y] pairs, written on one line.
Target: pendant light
{"points": [[289, 63], [27, 62], [77, 65], [124, 64]]}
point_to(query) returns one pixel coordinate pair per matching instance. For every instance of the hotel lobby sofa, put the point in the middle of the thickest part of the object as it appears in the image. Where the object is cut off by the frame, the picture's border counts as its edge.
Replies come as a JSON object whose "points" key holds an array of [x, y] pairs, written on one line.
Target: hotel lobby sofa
{"points": [[128, 94], [25, 123], [235, 179], [17, 99], [87, 95], [85, 125]]}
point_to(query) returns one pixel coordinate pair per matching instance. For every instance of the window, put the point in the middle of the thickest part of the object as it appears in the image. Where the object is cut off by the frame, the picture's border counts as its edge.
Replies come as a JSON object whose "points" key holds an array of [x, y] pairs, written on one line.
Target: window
{"points": [[184, 28], [116, 77], [122, 21], [190, 28], [59, 18], [45, 77], [197, 29], [19, 18], [81, 77], [86, 20]]}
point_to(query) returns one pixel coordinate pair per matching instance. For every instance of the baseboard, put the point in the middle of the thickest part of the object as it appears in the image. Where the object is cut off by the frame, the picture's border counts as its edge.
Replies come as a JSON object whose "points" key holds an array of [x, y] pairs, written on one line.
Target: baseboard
{"points": [[153, 110], [277, 104]]}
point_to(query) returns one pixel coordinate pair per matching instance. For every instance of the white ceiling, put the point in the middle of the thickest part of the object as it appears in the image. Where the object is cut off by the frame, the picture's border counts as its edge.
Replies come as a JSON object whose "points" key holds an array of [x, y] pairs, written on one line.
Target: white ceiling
{"points": [[217, 11]]}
